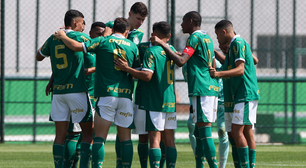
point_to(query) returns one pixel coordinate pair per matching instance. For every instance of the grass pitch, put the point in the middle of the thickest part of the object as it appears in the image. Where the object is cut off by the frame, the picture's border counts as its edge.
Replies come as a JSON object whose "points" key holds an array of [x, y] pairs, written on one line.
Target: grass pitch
{"points": [[40, 155]]}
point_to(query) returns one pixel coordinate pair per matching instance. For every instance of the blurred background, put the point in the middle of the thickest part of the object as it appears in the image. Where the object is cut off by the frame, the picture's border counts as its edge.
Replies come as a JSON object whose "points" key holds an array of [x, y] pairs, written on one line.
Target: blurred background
{"points": [[275, 30]]}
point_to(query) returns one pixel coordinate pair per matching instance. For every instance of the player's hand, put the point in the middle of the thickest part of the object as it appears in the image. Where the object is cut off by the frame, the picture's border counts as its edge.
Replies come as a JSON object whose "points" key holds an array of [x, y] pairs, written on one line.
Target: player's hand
{"points": [[121, 64], [212, 71], [156, 41], [108, 31], [60, 34], [49, 89]]}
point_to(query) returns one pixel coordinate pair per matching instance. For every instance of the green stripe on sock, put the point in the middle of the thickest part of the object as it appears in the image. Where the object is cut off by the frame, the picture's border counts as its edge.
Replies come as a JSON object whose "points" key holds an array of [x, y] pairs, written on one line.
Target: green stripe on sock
{"points": [[244, 156], [154, 156], [252, 157], [126, 153]]}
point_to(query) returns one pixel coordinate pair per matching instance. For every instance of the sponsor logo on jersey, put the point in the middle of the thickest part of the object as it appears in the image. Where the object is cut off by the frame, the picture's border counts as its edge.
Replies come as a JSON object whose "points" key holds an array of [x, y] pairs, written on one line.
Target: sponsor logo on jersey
{"points": [[77, 110], [126, 114], [119, 42], [170, 105], [213, 87], [93, 46], [63, 87], [172, 118], [119, 90], [228, 104], [205, 40]]}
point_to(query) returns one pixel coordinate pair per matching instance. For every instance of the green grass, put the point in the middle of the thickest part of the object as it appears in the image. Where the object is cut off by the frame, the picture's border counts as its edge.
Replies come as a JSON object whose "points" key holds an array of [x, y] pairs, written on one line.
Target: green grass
{"points": [[39, 155]]}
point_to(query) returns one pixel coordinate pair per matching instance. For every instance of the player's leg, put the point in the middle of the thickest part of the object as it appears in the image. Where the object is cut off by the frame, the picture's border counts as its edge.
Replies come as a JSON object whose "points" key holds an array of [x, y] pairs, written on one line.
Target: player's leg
{"points": [[199, 150], [205, 109], [118, 152], [124, 121], [191, 127], [168, 136], [105, 113], [155, 122], [71, 143], [83, 115], [60, 115], [77, 153], [140, 129], [223, 138], [163, 152]]}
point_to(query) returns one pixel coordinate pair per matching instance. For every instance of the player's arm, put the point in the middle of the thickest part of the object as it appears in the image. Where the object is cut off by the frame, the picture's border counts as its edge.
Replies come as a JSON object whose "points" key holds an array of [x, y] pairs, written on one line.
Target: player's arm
{"points": [[256, 60], [49, 87], [70, 43], [178, 59], [39, 57], [143, 75], [214, 63], [89, 71], [220, 56], [238, 71]]}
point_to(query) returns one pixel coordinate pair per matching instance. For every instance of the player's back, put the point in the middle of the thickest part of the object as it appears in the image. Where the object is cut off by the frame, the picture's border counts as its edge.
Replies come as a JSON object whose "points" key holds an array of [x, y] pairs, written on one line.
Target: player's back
{"points": [[159, 91], [67, 65], [111, 81]]}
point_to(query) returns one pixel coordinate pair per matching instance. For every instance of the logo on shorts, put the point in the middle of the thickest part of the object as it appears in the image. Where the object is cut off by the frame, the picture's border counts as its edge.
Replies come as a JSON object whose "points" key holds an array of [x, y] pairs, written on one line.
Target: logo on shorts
{"points": [[77, 111], [126, 114], [236, 111], [172, 118]]}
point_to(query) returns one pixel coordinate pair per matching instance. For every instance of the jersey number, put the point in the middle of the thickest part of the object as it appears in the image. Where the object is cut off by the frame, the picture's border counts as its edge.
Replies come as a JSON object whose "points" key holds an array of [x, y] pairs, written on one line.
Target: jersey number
{"points": [[61, 55], [118, 52], [170, 73]]}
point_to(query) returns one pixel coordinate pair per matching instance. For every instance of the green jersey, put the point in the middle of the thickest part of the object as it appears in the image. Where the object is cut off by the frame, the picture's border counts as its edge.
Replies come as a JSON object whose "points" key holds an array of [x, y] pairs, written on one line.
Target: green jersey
{"points": [[135, 35], [142, 50], [220, 84], [67, 65], [200, 82], [159, 91], [228, 99], [90, 62], [109, 80], [244, 88]]}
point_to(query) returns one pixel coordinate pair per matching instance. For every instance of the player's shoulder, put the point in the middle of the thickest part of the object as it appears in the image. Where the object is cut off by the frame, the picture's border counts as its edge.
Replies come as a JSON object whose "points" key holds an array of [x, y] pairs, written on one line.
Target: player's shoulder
{"points": [[80, 36], [144, 45], [172, 48], [239, 41], [139, 30]]}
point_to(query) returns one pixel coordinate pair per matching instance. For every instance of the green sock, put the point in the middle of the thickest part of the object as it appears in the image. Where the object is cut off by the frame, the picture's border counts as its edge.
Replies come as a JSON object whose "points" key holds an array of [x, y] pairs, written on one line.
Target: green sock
{"points": [[235, 155], [143, 154], [209, 146], [126, 153], [70, 149], [252, 157], [58, 155], [118, 152], [244, 156], [154, 157], [163, 156], [98, 152], [85, 154], [77, 152], [171, 155], [199, 150]]}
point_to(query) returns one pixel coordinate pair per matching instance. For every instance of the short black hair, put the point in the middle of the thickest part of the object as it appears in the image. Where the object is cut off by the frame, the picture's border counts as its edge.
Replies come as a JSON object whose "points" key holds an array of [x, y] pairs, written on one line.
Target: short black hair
{"points": [[121, 25], [97, 24], [195, 17], [162, 27], [70, 15], [224, 24], [140, 8]]}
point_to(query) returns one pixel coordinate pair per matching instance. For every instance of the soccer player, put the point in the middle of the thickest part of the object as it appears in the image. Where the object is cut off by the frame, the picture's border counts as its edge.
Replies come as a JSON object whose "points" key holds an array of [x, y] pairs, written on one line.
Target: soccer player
{"points": [[159, 99], [70, 98], [240, 74], [137, 15], [202, 88], [114, 89]]}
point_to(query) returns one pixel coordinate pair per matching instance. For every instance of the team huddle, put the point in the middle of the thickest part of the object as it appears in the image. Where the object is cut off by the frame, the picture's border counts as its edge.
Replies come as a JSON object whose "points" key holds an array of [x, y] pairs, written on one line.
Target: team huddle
{"points": [[92, 86]]}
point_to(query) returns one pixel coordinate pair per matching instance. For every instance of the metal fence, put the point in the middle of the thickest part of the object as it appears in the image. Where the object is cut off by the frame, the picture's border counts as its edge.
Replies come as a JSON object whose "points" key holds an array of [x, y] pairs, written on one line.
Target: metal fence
{"points": [[273, 28]]}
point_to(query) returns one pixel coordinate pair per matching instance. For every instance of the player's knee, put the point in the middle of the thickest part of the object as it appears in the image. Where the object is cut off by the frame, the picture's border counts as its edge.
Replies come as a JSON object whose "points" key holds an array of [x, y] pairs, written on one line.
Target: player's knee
{"points": [[221, 132]]}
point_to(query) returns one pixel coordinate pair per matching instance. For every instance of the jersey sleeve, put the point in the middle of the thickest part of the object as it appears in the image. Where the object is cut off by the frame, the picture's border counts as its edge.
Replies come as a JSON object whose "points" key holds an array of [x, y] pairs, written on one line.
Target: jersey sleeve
{"points": [[238, 50], [45, 49], [110, 24], [148, 62], [93, 44], [191, 45]]}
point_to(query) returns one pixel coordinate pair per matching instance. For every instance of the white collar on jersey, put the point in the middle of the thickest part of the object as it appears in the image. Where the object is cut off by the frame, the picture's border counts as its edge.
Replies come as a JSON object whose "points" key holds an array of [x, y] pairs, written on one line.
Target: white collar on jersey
{"points": [[68, 30], [118, 35], [234, 38], [201, 31], [132, 31]]}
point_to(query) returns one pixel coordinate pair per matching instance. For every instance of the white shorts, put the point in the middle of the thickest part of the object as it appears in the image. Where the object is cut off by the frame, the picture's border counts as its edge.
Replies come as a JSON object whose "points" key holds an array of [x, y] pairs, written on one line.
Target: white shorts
{"points": [[117, 110], [139, 120], [159, 121], [205, 108], [76, 105], [244, 114]]}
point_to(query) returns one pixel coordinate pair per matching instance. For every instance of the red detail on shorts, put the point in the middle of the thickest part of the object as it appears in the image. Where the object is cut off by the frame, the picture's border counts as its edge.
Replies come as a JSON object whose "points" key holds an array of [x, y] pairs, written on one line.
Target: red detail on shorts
{"points": [[188, 50]]}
